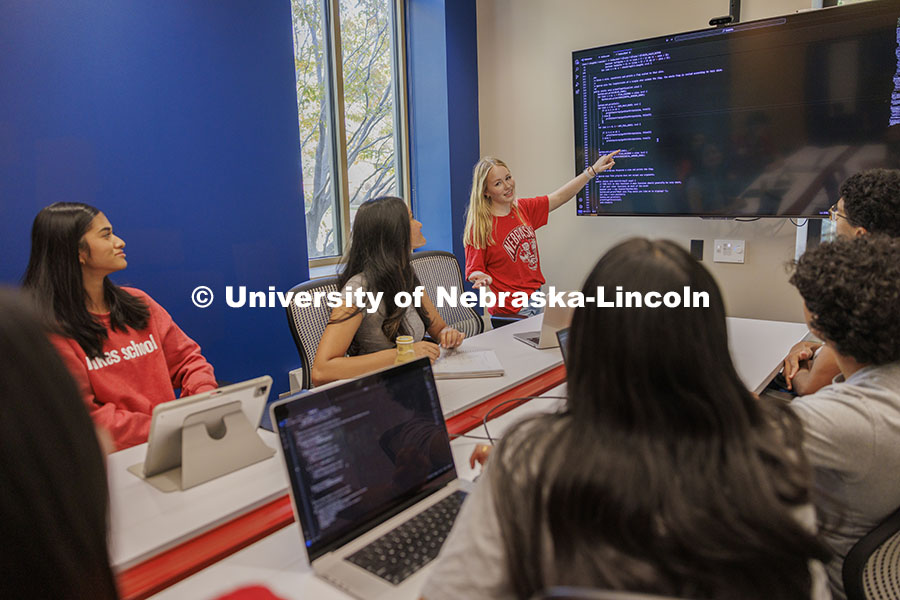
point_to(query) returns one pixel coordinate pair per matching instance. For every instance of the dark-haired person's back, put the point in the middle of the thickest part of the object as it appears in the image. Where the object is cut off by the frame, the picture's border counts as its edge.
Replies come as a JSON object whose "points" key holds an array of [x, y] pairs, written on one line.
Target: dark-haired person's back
{"points": [[851, 291], [54, 498], [53, 488], [668, 478]]}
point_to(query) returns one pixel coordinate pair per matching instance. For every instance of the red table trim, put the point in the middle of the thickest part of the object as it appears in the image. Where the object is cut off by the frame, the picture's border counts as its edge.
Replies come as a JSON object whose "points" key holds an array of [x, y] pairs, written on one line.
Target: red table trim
{"points": [[171, 566], [473, 417]]}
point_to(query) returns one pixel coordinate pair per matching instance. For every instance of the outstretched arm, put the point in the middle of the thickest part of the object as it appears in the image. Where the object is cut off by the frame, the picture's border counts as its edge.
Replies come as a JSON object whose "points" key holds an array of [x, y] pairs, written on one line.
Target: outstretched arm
{"points": [[568, 190], [476, 271]]}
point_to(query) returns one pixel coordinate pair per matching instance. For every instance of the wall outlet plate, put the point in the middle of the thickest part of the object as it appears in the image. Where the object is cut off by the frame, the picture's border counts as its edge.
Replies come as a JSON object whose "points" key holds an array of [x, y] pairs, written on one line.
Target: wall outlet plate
{"points": [[729, 251]]}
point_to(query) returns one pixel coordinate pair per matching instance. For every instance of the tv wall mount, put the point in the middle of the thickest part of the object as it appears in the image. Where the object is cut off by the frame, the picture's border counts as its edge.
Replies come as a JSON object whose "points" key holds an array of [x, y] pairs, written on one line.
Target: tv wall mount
{"points": [[733, 16]]}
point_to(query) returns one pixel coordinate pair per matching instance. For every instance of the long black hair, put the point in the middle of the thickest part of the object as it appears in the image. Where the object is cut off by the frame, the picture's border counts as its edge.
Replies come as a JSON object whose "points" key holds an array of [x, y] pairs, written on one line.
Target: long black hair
{"points": [[54, 504], [54, 279], [663, 473], [380, 249]]}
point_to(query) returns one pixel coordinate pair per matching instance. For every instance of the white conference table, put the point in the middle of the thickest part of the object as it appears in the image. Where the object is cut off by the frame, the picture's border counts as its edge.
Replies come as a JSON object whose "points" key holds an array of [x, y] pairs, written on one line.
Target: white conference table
{"points": [[758, 347], [145, 522], [279, 560], [521, 362]]}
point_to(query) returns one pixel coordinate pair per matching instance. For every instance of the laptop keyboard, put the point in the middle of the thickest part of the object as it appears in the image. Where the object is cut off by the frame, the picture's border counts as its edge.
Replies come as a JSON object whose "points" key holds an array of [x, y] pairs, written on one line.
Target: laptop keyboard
{"points": [[404, 550]]}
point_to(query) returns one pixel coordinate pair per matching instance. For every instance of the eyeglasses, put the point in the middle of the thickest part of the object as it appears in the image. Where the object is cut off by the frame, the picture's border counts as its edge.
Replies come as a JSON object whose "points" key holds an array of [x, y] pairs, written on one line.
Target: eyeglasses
{"points": [[834, 215]]}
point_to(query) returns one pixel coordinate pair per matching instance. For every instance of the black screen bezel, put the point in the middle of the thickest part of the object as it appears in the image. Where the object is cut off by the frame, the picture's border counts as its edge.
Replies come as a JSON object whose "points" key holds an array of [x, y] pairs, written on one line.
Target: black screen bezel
{"points": [[316, 549], [831, 14]]}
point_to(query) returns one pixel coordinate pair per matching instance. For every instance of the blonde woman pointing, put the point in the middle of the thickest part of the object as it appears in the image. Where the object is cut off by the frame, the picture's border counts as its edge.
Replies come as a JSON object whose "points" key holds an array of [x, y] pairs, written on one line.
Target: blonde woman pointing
{"points": [[501, 247]]}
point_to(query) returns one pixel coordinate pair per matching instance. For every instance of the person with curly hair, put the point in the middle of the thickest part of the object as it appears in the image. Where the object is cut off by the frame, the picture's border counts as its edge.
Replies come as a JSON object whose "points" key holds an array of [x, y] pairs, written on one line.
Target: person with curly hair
{"points": [[851, 294], [869, 203]]}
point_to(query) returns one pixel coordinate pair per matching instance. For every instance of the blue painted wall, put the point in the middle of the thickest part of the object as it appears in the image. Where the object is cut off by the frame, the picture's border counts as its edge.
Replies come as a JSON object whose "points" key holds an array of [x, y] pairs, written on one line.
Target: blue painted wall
{"points": [[443, 110], [178, 119]]}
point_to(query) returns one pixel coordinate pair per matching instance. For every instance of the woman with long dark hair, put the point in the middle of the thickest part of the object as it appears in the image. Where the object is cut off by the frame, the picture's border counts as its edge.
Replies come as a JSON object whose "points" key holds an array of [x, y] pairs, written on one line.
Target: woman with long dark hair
{"points": [[383, 236], [54, 504], [124, 350], [662, 474]]}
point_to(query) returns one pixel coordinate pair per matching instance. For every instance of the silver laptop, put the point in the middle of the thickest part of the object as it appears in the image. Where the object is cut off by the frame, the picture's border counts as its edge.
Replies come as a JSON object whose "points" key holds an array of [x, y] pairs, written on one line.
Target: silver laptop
{"points": [[373, 483], [563, 337], [555, 318]]}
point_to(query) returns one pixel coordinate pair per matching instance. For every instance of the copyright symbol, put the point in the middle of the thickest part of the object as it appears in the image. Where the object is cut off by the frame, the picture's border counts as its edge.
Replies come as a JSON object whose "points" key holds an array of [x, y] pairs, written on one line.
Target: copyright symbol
{"points": [[202, 296]]}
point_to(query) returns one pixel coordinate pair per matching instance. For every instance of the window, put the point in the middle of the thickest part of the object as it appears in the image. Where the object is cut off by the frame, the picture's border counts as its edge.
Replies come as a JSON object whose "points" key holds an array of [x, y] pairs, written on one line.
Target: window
{"points": [[352, 119]]}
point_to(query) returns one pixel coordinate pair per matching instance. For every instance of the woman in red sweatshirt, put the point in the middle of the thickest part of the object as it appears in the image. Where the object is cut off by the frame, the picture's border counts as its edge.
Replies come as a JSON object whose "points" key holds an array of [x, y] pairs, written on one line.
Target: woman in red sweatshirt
{"points": [[124, 350]]}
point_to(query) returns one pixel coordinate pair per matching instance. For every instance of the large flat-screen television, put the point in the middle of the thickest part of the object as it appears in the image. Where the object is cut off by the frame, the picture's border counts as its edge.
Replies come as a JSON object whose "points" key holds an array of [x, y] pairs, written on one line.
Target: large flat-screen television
{"points": [[762, 118]]}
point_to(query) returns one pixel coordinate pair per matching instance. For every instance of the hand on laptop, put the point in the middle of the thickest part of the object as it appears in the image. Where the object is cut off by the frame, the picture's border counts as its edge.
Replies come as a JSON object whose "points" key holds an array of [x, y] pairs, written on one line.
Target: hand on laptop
{"points": [[480, 454]]}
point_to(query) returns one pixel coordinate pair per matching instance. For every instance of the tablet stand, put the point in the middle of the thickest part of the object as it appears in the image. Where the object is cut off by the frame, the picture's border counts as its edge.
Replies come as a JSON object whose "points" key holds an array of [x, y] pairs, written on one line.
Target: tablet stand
{"points": [[214, 442]]}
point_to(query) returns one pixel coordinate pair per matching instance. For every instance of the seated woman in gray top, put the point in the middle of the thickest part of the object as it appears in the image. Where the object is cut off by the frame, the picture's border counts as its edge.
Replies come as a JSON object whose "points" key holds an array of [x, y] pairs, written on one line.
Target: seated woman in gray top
{"points": [[851, 296], [662, 473], [384, 233]]}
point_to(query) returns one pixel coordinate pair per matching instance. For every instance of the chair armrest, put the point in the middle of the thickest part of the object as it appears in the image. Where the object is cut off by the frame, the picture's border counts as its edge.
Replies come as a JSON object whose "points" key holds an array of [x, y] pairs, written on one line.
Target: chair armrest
{"points": [[498, 321]]}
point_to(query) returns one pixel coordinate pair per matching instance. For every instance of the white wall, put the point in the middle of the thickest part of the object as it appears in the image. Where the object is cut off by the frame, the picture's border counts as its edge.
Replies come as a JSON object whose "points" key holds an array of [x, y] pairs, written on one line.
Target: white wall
{"points": [[525, 114]]}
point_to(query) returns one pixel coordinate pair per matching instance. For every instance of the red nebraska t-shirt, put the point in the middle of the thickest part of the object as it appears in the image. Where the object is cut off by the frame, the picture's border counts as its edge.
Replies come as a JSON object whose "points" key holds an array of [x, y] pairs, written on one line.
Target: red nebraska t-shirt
{"points": [[138, 370], [512, 260]]}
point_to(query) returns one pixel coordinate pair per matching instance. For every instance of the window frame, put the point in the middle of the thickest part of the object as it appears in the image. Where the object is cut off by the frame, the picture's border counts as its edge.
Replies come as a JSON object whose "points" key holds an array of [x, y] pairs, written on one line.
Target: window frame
{"points": [[337, 120]]}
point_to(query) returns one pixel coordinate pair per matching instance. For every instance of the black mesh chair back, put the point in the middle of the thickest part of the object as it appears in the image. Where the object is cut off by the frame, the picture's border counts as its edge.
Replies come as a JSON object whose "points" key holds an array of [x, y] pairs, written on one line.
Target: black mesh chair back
{"points": [[308, 323], [437, 268], [498, 321], [871, 570]]}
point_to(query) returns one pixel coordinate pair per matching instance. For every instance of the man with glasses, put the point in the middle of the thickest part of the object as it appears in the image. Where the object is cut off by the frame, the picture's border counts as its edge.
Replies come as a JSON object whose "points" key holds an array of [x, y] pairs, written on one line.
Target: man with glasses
{"points": [[869, 203]]}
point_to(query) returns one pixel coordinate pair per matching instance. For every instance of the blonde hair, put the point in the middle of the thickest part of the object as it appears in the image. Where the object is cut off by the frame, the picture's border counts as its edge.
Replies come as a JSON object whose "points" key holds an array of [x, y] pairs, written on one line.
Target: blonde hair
{"points": [[479, 229]]}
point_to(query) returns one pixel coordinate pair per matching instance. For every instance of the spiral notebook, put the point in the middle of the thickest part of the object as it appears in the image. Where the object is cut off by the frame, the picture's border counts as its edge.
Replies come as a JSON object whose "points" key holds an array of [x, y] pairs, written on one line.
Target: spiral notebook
{"points": [[457, 363]]}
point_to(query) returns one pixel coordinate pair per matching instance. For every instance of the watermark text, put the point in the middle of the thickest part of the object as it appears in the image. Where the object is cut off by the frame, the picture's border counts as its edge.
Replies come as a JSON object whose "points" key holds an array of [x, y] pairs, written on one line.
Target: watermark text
{"points": [[370, 302]]}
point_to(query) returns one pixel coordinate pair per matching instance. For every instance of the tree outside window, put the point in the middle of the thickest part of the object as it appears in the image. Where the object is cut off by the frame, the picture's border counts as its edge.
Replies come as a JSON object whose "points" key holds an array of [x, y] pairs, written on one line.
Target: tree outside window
{"points": [[351, 147]]}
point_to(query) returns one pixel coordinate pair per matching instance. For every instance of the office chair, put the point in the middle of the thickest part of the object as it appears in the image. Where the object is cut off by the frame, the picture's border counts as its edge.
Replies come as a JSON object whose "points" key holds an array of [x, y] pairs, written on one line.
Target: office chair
{"points": [[580, 593], [871, 570], [498, 321], [437, 268], [308, 324]]}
